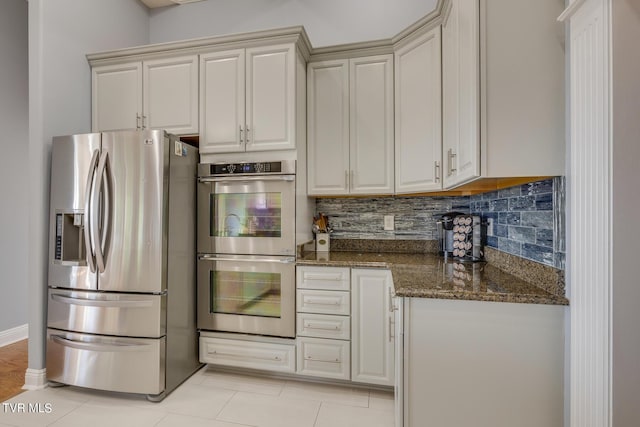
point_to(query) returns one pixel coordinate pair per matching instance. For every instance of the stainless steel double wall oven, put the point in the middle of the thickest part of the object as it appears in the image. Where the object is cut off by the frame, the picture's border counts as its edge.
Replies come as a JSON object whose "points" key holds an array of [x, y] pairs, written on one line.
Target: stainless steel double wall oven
{"points": [[246, 247]]}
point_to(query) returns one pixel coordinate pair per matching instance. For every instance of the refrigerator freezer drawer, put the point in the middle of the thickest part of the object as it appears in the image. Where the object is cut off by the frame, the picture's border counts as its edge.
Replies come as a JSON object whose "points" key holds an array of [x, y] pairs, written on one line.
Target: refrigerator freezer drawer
{"points": [[133, 315], [130, 365]]}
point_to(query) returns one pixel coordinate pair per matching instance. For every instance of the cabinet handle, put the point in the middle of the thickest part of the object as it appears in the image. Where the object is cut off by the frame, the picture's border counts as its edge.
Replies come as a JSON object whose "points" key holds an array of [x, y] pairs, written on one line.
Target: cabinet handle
{"points": [[137, 121], [450, 156], [392, 324], [437, 171], [320, 302], [320, 327], [241, 140], [144, 122], [246, 135], [321, 360], [244, 356], [346, 179]]}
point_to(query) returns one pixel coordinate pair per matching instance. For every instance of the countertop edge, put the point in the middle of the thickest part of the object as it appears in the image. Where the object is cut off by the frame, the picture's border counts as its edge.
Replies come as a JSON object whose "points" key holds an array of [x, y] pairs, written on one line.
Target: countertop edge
{"points": [[410, 292]]}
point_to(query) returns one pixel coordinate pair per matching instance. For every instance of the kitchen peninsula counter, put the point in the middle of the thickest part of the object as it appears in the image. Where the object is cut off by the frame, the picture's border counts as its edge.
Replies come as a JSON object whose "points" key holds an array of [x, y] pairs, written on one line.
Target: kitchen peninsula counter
{"points": [[428, 275]]}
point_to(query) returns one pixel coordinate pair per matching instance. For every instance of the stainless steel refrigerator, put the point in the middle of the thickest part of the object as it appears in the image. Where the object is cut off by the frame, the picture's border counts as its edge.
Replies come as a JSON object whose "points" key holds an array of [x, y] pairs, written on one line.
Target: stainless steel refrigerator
{"points": [[121, 298]]}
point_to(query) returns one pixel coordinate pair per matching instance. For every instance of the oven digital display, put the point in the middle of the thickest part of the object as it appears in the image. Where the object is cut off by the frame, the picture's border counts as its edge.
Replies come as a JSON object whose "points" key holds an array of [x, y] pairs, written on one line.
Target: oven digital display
{"points": [[246, 168]]}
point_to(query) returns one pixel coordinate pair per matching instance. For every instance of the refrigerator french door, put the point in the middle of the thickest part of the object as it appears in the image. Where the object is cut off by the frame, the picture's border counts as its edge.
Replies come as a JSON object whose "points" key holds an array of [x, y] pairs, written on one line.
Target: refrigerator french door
{"points": [[247, 208], [250, 294], [121, 295]]}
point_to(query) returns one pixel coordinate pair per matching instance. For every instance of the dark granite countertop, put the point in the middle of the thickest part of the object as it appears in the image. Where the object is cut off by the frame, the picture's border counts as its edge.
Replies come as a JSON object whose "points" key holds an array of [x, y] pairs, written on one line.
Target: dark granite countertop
{"points": [[428, 275]]}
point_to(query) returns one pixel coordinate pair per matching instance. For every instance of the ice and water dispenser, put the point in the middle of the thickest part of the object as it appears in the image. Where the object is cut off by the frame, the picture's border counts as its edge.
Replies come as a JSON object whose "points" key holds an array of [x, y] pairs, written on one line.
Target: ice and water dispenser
{"points": [[69, 239]]}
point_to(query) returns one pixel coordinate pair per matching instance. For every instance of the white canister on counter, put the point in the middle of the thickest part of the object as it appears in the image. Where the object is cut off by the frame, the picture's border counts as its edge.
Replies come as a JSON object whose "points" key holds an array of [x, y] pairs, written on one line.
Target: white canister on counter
{"points": [[322, 242]]}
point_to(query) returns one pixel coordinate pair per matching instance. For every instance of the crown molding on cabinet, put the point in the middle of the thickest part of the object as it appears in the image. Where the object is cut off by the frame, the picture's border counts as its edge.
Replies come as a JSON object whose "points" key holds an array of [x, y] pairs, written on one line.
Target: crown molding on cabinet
{"points": [[295, 34]]}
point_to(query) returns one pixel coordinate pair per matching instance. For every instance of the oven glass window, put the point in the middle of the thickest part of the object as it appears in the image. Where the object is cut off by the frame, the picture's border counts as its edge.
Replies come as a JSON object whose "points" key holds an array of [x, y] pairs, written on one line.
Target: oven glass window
{"points": [[246, 215], [246, 293]]}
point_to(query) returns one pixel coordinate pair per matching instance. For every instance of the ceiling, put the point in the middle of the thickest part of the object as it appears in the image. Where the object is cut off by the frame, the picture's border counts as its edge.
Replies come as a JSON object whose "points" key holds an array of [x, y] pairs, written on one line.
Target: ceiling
{"points": [[151, 4]]}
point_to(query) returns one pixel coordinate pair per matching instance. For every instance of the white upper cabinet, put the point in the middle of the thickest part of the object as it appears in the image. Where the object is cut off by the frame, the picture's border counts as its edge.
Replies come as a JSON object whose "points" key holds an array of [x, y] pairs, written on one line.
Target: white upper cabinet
{"points": [[222, 98], [350, 126], [418, 115], [328, 127], [461, 92], [116, 94], [503, 90], [248, 99], [153, 94]]}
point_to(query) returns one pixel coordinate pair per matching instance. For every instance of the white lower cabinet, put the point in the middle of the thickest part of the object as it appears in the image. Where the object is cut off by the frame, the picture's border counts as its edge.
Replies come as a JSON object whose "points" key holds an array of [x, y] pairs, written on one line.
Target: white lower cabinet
{"points": [[325, 358], [372, 341], [270, 354], [323, 326], [482, 364], [346, 333]]}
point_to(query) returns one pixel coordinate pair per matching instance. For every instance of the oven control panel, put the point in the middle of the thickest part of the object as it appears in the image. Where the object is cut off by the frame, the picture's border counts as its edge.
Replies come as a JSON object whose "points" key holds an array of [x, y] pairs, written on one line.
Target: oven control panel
{"points": [[247, 168]]}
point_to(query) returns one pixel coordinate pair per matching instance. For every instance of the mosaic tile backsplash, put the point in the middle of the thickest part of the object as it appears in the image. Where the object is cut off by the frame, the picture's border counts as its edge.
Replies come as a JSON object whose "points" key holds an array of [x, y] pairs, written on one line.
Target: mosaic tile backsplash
{"points": [[528, 219], [363, 218]]}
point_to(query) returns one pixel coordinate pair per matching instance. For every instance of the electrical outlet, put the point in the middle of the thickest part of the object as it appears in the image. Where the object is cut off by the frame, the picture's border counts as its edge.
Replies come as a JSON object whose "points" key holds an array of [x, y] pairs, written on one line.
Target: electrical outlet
{"points": [[388, 223], [489, 226]]}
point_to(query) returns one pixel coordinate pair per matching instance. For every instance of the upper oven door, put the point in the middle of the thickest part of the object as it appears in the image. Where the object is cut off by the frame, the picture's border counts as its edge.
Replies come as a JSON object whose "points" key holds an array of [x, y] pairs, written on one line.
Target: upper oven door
{"points": [[247, 215]]}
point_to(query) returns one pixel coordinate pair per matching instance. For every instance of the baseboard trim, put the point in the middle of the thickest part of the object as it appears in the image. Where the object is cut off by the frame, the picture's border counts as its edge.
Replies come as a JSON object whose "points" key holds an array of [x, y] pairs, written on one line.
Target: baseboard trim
{"points": [[12, 335], [35, 379]]}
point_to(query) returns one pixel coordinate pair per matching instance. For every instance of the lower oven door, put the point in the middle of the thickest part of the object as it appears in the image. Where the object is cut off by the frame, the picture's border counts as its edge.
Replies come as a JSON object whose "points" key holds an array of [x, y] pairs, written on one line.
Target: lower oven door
{"points": [[247, 293]]}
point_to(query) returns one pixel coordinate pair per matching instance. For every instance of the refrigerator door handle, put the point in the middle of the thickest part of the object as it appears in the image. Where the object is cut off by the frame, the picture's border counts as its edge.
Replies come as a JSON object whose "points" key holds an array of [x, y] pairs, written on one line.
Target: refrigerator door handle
{"points": [[102, 303], [102, 187], [115, 346], [87, 212]]}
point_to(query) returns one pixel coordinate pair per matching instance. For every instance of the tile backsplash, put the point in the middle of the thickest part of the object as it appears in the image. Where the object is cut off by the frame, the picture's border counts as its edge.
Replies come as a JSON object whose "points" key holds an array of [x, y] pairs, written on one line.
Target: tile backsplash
{"points": [[363, 218], [528, 219]]}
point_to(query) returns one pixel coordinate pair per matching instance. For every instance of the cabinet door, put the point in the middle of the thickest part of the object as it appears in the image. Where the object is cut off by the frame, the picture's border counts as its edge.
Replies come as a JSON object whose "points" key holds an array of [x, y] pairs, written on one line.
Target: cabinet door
{"points": [[461, 92], [116, 97], [170, 89], [328, 127], [418, 113], [270, 102], [222, 94], [371, 124], [372, 347]]}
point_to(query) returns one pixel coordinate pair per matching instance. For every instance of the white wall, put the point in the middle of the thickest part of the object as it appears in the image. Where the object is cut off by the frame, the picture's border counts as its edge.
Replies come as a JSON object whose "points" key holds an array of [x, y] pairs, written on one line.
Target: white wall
{"points": [[625, 126], [14, 125], [327, 22], [61, 33]]}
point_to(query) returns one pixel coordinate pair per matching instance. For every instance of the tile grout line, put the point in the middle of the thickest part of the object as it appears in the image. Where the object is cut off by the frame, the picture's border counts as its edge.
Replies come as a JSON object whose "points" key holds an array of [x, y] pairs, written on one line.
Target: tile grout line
{"points": [[225, 404], [315, 422]]}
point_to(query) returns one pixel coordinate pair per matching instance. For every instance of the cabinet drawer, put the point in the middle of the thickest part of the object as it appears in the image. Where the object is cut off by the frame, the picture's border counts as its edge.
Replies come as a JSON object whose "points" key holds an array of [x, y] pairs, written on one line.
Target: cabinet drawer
{"points": [[323, 326], [326, 278], [248, 354], [323, 302], [324, 358]]}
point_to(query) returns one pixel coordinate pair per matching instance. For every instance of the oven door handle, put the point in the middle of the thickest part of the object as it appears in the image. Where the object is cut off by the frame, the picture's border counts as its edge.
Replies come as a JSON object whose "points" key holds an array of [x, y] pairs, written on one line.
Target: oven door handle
{"points": [[284, 260], [288, 178]]}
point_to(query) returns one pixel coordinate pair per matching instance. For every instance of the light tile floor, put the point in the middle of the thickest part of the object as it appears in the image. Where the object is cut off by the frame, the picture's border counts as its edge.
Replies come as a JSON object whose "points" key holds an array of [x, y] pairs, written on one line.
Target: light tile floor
{"points": [[209, 398]]}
